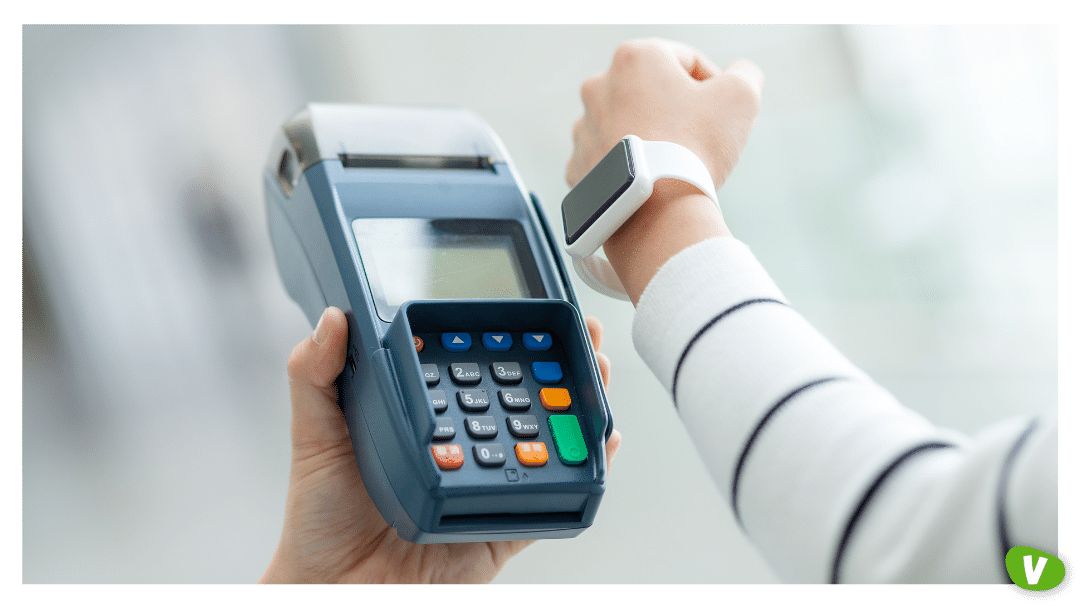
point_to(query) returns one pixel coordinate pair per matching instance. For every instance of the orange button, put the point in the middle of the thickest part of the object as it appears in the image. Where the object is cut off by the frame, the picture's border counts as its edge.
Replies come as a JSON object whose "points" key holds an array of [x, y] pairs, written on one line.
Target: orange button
{"points": [[418, 343], [531, 453], [449, 457], [555, 398]]}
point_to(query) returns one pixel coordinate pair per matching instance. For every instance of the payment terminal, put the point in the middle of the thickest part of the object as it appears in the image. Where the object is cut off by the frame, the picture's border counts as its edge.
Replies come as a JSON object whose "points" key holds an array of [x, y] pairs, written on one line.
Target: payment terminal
{"points": [[470, 389]]}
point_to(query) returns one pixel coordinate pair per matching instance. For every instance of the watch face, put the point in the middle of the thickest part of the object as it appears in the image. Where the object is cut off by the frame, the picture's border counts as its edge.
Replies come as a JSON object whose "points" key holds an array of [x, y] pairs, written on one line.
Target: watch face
{"points": [[596, 192]]}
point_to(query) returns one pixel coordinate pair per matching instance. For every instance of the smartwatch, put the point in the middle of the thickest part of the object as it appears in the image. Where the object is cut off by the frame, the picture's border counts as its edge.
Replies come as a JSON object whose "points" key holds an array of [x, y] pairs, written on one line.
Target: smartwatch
{"points": [[612, 191]]}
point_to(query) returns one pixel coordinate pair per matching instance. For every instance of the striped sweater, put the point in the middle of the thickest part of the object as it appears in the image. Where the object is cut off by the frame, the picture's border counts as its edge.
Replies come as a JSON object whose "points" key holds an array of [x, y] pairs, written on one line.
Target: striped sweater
{"points": [[829, 476]]}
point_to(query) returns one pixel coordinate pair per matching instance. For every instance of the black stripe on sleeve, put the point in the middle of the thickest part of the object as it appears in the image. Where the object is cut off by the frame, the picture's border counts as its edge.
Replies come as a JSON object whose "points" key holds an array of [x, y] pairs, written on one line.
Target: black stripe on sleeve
{"points": [[701, 332], [842, 546], [1003, 482], [753, 437]]}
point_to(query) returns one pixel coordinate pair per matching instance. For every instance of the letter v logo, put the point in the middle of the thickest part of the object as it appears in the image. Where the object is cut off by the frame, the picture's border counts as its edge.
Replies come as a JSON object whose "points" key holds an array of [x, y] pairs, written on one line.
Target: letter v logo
{"points": [[1033, 569], [1033, 574]]}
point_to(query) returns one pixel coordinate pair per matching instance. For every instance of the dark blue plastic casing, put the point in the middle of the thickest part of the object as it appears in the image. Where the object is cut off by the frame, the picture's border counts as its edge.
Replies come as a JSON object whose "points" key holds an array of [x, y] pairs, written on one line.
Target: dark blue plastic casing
{"points": [[381, 390]]}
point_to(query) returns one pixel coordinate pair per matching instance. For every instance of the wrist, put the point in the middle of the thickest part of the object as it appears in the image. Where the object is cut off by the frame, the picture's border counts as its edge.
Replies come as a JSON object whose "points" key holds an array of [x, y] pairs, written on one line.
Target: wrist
{"points": [[676, 216]]}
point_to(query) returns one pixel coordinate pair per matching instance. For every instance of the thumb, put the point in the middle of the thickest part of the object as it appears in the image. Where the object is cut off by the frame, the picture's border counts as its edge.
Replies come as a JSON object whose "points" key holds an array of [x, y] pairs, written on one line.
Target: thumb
{"points": [[317, 423]]}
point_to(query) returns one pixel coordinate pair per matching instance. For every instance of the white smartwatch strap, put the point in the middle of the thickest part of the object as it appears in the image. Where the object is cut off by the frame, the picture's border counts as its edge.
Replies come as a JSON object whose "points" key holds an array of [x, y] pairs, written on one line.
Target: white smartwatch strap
{"points": [[663, 159], [666, 159], [598, 274]]}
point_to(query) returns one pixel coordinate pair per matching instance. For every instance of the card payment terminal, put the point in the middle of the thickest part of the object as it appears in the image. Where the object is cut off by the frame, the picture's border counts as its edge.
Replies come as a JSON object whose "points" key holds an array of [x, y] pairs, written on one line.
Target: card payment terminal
{"points": [[470, 389]]}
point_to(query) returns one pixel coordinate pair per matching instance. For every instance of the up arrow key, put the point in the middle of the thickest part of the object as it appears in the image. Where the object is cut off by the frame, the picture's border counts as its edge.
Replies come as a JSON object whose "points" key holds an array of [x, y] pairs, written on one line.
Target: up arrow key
{"points": [[456, 342], [538, 341]]}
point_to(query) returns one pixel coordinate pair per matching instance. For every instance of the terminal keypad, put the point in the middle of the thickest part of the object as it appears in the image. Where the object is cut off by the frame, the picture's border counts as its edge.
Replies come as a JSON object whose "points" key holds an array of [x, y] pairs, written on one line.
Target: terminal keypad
{"points": [[513, 395]]}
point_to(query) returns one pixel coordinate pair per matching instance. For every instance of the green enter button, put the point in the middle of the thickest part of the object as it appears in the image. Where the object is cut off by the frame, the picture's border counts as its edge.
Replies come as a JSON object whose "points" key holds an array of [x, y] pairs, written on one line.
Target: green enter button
{"points": [[569, 442]]}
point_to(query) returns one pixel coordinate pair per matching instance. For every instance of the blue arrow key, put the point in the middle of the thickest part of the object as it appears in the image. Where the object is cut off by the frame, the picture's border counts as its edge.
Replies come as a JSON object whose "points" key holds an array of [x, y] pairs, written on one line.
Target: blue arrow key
{"points": [[456, 342], [497, 341], [536, 341]]}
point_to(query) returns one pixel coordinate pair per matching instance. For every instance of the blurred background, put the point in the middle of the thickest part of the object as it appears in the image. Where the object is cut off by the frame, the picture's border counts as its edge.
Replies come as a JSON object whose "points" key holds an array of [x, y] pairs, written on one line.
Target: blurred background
{"points": [[900, 187]]}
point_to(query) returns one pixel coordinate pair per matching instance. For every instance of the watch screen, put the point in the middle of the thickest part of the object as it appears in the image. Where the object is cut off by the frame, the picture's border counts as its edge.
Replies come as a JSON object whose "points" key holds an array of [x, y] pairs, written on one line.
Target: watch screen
{"points": [[420, 259], [597, 191]]}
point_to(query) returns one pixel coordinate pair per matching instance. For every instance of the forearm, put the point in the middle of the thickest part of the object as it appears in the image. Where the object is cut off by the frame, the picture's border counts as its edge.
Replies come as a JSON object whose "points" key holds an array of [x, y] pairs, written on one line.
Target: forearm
{"points": [[824, 469], [674, 218]]}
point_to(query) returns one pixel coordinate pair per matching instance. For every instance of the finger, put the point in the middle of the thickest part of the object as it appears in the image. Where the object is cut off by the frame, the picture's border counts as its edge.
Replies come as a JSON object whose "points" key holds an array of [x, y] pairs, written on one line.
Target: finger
{"points": [[578, 138], [590, 87], [596, 332], [612, 447], [575, 169], [669, 53], [692, 60], [748, 73], [317, 424], [573, 165], [605, 368], [578, 132], [571, 174]]}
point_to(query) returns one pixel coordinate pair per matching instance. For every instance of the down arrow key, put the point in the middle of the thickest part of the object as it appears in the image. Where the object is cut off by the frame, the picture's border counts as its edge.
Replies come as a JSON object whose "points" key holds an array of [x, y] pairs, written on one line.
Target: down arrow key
{"points": [[537, 341]]}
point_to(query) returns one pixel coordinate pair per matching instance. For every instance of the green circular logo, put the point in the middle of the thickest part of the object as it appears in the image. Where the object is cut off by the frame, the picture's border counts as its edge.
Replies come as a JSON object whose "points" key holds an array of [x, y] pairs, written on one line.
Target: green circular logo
{"points": [[1033, 569]]}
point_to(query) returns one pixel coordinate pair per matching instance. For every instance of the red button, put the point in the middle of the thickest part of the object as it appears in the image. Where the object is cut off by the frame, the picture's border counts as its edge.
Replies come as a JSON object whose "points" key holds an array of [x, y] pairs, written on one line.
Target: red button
{"points": [[448, 457]]}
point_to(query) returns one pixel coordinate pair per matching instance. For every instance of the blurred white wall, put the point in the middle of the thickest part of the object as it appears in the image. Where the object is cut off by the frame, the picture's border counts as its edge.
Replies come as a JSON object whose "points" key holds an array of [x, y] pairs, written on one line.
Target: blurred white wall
{"points": [[900, 187]]}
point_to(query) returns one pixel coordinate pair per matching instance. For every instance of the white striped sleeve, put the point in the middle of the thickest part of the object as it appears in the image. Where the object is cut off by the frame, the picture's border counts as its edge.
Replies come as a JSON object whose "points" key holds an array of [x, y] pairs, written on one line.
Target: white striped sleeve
{"points": [[805, 446]]}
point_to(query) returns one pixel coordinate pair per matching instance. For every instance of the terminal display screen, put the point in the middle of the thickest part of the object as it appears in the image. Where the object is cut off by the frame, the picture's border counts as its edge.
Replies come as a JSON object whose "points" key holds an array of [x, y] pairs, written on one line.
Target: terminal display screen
{"points": [[445, 259]]}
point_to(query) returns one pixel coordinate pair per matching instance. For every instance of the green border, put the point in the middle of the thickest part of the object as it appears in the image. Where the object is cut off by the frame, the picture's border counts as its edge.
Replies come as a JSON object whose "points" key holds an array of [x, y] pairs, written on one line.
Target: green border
{"points": [[639, 12]]}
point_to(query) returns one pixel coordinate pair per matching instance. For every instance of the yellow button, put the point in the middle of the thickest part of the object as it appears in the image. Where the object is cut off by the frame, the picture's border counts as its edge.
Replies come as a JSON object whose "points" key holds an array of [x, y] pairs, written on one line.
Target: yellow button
{"points": [[531, 453], [555, 398]]}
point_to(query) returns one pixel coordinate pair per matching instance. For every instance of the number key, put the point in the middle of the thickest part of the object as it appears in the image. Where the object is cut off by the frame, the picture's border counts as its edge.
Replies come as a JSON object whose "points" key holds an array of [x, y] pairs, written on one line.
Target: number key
{"points": [[489, 454], [431, 373], [465, 373], [506, 372], [444, 429], [515, 399], [481, 427], [473, 399], [438, 401], [523, 426]]}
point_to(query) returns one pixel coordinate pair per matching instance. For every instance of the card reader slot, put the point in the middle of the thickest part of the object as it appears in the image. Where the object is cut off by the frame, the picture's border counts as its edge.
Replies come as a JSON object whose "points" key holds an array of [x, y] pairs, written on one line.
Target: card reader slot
{"points": [[384, 161], [511, 520]]}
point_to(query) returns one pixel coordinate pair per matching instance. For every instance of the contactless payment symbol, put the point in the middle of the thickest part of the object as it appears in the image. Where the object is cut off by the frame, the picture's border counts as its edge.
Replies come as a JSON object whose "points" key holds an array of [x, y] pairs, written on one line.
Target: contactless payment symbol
{"points": [[1034, 570]]}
